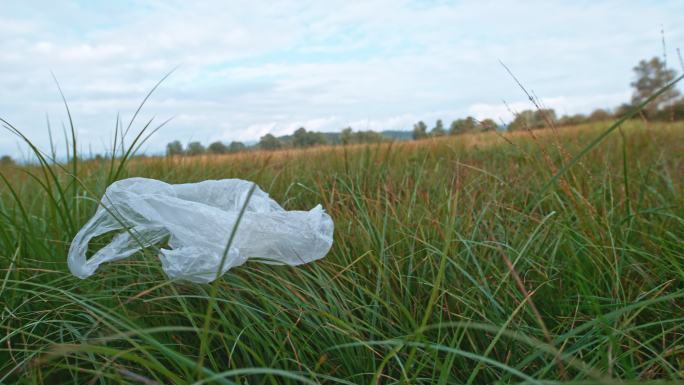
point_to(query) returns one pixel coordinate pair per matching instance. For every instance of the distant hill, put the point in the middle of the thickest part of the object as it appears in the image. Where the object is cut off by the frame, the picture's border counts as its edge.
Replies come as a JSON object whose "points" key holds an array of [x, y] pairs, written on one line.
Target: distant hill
{"points": [[397, 135]]}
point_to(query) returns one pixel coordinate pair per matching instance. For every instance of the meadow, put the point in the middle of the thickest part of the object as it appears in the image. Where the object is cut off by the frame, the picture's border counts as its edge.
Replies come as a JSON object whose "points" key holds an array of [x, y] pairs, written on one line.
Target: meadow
{"points": [[528, 257]]}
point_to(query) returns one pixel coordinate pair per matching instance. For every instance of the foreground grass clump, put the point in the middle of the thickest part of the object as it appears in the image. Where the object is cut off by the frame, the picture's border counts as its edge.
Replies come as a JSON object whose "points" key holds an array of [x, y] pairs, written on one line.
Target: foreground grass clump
{"points": [[454, 262]]}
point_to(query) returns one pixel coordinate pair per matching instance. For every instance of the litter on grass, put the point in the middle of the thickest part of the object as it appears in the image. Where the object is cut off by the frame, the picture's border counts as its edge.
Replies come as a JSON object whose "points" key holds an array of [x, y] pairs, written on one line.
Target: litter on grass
{"points": [[196, 221]]}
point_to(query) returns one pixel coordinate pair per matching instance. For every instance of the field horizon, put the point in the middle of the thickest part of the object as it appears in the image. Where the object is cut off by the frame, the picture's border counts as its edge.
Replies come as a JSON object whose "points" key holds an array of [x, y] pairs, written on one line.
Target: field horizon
{"points": [[537, 257]]}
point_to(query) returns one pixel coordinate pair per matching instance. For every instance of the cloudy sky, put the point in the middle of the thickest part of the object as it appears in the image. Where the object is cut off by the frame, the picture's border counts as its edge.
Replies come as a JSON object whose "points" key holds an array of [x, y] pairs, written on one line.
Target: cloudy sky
{"points": [[245, 69]]}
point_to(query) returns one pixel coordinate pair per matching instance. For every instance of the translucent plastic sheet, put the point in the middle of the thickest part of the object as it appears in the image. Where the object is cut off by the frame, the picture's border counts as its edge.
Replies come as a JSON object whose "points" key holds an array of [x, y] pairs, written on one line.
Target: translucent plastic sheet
{"points": [[196, 221]]}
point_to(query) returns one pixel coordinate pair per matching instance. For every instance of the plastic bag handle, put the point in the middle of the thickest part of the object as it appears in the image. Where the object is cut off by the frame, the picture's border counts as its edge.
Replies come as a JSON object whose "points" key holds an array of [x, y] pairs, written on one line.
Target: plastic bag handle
{"points": [[123, 245]]}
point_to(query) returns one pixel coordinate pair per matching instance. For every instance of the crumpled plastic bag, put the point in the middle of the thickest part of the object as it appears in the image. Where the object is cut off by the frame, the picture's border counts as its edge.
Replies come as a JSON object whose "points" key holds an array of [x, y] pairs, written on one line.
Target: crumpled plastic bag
{"points": [[196, 221]]}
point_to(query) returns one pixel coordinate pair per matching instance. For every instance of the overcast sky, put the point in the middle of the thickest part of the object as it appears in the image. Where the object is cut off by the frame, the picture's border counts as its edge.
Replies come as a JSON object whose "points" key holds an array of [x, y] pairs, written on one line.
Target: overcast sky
{"points": [[245, 69]]}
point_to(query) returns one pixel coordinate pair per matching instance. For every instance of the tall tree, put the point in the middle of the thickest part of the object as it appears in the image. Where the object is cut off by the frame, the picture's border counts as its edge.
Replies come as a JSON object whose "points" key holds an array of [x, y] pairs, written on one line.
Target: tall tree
{"points": [[300, 138], [572, 120], [195, 148], [174, 148], [488, 125], [347, 136], [438, 129], [622, 110], [304, 138], [317, 138], [530, 119], [652, 75], [236, 146], [369, 136], [6, 160], [217, 148], [269, 142], [462, 126], [599, 115], [420, 130]]}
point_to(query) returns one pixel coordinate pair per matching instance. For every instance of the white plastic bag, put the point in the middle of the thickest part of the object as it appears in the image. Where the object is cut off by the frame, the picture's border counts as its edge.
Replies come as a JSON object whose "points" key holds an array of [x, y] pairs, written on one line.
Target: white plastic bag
{"points": [[196, 220]]}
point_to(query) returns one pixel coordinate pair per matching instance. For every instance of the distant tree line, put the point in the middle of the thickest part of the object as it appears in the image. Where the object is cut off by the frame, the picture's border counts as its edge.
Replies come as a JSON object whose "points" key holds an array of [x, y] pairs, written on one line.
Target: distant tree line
{"points": [[457, 127], [197, 148], [301, 138], [650, 76]]}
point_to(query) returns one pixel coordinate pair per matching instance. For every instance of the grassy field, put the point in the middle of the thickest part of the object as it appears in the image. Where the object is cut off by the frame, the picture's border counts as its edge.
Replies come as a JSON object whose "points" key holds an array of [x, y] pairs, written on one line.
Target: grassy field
{"points": [[457, 260]]}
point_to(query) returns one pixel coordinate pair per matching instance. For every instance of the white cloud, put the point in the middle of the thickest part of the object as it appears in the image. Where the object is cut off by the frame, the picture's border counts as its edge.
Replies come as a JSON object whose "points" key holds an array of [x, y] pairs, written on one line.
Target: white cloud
{"points": [[246, 69]]}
